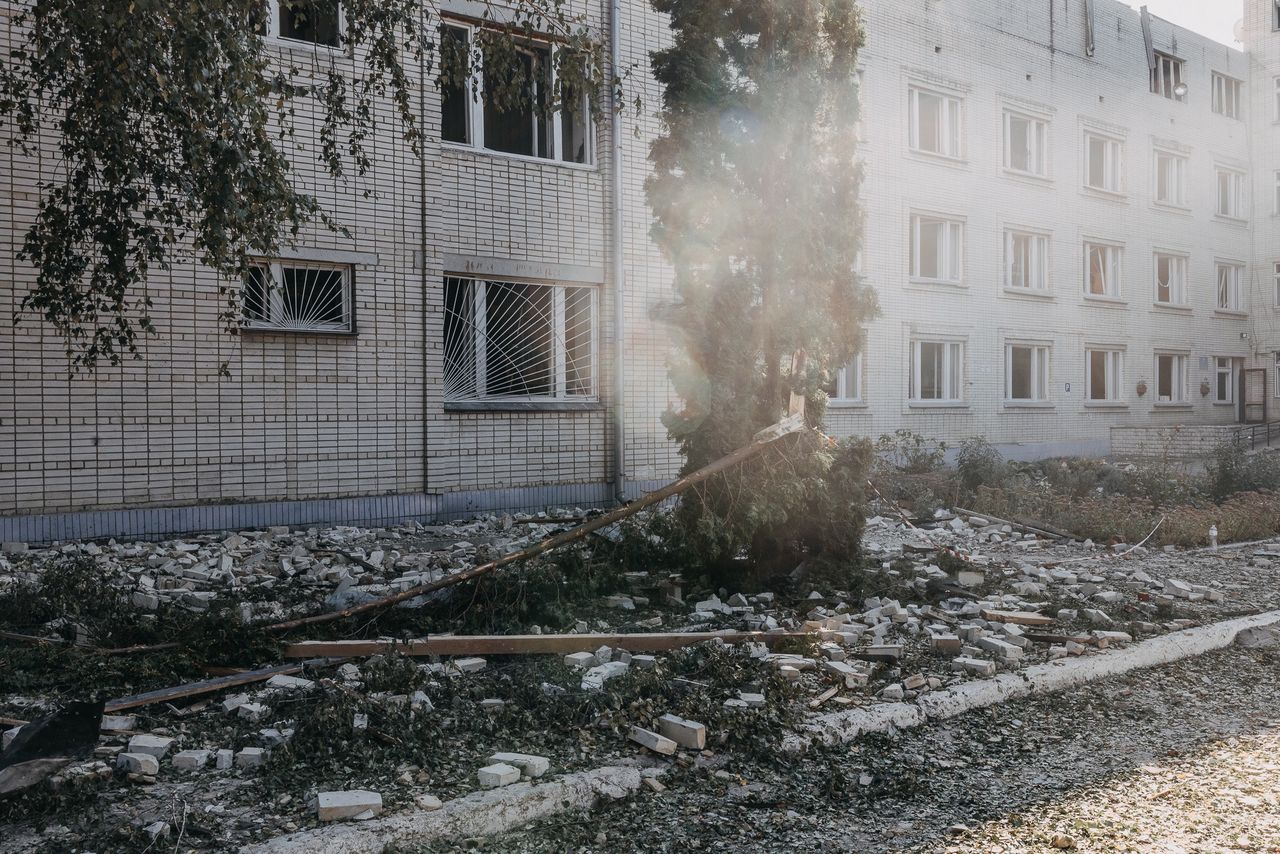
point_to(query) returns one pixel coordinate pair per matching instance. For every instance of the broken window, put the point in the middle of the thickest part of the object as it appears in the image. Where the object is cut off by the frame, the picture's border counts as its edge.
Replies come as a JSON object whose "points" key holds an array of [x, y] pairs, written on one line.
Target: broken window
{"points": [[1166, 77], [314, 21], [1224, 380], [518, 340], [1025, 144], [1103, 381], [1230, 193], [298, 296], [527, 124], [936, 370], [1026, 261], [1229, 277], [1171, 378], [1102, 270], [936, 123], [1171, 279], [1102, 163], [936, 249], [1171, 178], [1226, 96], [1026, 371], [846, 387]]}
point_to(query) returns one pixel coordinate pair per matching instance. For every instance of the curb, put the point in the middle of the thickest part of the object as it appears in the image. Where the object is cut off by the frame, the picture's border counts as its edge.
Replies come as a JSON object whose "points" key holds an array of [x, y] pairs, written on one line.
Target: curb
{"points": [[842, 727], [479, 814]]}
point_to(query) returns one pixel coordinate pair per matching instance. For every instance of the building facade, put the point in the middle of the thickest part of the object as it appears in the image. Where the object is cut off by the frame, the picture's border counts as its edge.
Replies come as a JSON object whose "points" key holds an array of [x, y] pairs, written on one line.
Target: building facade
{"points": [[1071, 224]]}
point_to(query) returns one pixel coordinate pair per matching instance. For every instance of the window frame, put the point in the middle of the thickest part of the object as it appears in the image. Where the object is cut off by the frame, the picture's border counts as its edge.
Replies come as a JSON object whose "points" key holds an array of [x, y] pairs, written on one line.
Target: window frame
{"points": [[475, 110], [1114, 264], [1038, 127], [1039, 266], [1178, 382], [1180, 162], [1276, 268], [275, 270], [952, 371], [848, 377], [1167, 75], [1112, 165], [478, 298], [1234, 286], [273, 22], [951, 123], [1275, 113], [1227, 91], [1113, 376], [1232, 372], [1276, 210], [1236, 196], [1177, 286], [1039, 380], [950, 251]]}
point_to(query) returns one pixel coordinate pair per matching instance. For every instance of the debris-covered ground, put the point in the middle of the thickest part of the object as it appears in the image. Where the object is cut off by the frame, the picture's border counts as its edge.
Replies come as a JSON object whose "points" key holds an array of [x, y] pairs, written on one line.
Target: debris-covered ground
{"points": [[939, 603]]}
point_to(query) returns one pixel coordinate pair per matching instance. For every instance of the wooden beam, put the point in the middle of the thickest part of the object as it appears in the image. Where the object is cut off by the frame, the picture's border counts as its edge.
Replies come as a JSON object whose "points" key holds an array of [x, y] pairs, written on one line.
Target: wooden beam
{"points": [[527, 644], [191, 689], [1022, 618]]}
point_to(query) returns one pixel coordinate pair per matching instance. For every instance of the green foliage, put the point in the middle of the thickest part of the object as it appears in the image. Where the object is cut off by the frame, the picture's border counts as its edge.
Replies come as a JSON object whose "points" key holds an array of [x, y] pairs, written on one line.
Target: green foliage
{"points": [[911, 453], [755, 199], [175, 127], [1231, 470], [978, 463]]}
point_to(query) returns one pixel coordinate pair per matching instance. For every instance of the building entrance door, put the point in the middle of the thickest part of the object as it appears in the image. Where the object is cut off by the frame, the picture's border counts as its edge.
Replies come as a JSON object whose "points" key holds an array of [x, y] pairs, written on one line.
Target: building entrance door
{"points": [[1252, 399]]}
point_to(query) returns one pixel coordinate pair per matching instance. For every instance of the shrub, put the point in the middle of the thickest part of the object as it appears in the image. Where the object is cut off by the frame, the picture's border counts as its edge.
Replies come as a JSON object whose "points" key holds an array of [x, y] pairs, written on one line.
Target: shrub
{"points": [[980, 464]]}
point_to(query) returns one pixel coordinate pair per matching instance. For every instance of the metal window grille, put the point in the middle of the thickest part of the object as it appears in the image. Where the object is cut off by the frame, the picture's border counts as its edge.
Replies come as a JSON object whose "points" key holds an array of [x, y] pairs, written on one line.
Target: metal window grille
{"points": [[300, 296], [518, 341]]}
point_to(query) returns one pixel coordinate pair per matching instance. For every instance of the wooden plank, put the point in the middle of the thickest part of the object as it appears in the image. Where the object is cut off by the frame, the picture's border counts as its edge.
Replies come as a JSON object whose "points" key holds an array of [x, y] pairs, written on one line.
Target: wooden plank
{"points": [[817, 701], [165, 695], [1022, 618], [527, 644], [1037, 637]]}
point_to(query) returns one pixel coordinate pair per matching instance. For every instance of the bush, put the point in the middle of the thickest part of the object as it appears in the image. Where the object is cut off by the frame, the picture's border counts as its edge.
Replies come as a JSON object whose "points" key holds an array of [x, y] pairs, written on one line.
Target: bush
{"points": [[980, 464]]}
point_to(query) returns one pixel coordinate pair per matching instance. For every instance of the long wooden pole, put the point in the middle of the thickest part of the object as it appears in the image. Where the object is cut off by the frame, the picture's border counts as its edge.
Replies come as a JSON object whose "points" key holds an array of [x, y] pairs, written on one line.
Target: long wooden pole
{"points": [[791, 424]]}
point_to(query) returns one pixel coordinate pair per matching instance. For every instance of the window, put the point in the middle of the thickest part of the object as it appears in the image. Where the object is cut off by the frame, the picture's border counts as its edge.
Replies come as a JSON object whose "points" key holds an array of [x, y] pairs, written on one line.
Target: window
{"points": [[1026, 261], [1171, 378], [937, 249], [1276, 116], [1102, 270], [1226, 96], [1102, 163], [847, 386], [1224, 380], [1170, 179], [1171, 279], [315, 21], [1277, 282], [1166, 77], [937, 368], [1230, 193], [1229, 276], [936, 123], [1276, 209], [528, 127], [517, 340], [1103, 369], [299, 296], [1025, 144], [1026, 373]]}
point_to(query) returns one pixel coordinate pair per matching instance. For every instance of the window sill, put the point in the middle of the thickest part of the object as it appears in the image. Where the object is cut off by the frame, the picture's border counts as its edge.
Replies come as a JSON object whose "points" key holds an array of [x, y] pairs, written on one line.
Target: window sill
{"points": [[1171, 404], [1171, 308], [1027, 177], [1224, 403], [1238, 222], [1030, 405], [1104, 194], [940, 159], [523, 406], [459, 148], [937, 404], [1170, 207], [942, 284], [256, 331], [299, 45], [845, 405], [1106, 404], [1105, 302], [1043, 294], [1230, 314]]}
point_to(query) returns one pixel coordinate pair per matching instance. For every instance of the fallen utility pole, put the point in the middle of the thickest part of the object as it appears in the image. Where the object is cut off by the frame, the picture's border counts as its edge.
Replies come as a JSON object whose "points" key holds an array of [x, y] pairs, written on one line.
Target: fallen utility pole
{"points": [[528, 644], [1022, 526], [793, 423]]}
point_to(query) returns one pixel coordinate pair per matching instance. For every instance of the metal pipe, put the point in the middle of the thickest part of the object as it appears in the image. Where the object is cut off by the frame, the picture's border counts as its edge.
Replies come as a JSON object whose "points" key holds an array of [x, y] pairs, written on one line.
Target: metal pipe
{"points": [[619, 274]]}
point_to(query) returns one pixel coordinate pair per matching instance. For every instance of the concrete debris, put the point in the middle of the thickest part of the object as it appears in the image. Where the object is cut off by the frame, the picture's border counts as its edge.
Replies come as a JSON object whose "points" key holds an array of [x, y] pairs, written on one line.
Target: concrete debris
{"points": [[594, 679], [470, 665], [497, 775], [191, 760], [357, 804], [683, 732], [530, 766], [152, 745], [652, 740], [251, 757], [138, 763]]}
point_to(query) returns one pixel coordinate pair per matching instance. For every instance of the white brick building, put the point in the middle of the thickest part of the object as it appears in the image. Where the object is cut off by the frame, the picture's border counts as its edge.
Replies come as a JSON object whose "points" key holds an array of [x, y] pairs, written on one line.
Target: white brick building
{"points": [[1051, 224]]}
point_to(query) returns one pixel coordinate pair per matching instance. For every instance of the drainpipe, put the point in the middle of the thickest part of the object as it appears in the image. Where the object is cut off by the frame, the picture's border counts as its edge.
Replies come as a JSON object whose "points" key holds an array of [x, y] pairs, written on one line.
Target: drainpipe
{"points": [[422, 260], [619, 284]]}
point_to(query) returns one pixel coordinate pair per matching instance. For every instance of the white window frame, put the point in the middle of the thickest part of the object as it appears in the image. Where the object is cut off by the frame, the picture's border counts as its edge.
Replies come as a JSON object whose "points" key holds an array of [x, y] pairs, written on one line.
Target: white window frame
{"points": [[952, 371], [1176, 179], [1112, 164], [1037, 154], [950, 249], [476, 107], [1035, 272], [1177, 383], [1167, 75], [950, 122], [1276, 268], [1230, 369], [1229, 277], [559, 361], [848, 383], [1235, 197], [273, 30], [1276, 209], [1112, 269], [1177, 286], [1040, 355], [1228, 96], [1275, 115], [1113, 379], [275, 321]]}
